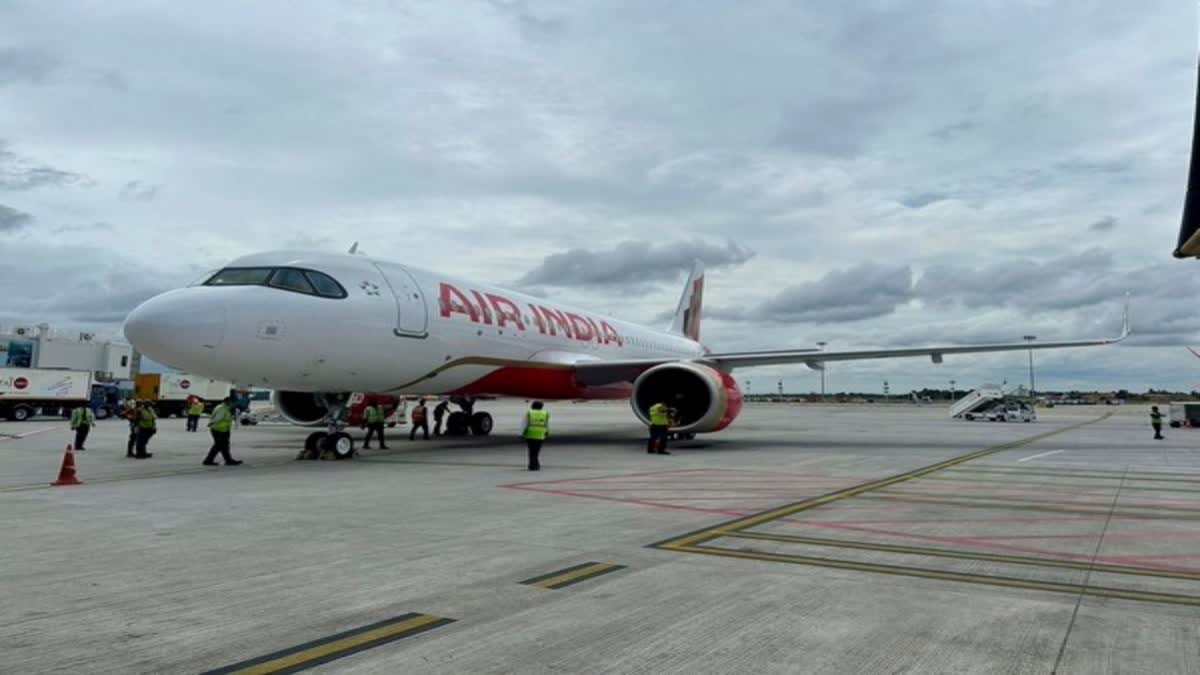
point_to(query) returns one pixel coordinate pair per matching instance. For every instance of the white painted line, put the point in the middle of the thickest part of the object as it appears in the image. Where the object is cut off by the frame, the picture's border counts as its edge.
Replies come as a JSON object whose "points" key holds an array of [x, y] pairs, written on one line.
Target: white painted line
{"points": [[1044, 454], [26, 434]]}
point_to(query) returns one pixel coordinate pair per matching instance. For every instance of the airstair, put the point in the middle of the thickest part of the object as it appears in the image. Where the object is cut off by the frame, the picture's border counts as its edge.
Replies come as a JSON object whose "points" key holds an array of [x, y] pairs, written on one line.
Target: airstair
{"points": [[976, 401]]}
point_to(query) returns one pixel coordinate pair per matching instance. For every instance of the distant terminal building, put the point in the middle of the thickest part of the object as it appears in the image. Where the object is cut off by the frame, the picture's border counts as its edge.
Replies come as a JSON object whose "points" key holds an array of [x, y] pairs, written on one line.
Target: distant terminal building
{"points": [[37, 346]]}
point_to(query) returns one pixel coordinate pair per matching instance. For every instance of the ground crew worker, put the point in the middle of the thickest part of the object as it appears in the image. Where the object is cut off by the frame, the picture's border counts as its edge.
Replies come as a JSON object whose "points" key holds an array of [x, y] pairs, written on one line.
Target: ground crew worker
{"points": [[439, 412], [220, 426], [147, 423], [375, 419], [195, 410], [1156, 422], [82, 421], [660, 423], [130, 413], [537, 427], [419, 420]]}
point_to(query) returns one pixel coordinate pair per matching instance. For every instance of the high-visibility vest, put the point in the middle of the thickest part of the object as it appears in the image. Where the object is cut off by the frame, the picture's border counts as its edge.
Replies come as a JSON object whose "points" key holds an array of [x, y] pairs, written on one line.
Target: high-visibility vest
{"points": [[197, 409], [418, 414], [147, 419], [82, 417], [658, 415], [537, 424], [375, 414], [222, 419]]}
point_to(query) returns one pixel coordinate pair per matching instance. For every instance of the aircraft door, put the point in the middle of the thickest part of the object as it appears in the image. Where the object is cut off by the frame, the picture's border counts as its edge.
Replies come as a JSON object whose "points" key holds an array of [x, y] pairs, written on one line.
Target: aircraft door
{"points": [[411, 314]]}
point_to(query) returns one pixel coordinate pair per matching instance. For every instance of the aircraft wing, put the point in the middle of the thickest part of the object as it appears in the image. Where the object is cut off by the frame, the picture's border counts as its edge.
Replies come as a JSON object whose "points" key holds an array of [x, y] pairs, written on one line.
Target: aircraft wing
{"points": [[601, 372]]}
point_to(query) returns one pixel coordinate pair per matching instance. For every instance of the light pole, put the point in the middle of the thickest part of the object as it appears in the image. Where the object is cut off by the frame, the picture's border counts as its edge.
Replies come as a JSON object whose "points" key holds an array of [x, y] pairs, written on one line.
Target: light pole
{"points": [[1030, 339], [951, 390], [822, 344]]}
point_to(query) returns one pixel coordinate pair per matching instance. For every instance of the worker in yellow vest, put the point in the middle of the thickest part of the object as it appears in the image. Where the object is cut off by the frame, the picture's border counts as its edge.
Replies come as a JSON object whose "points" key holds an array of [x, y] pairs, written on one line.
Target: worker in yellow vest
{"points": [[147, 426], [375, 423], [82, 421], [535, 431], [220, 425], [660, 423], [195, 410]]}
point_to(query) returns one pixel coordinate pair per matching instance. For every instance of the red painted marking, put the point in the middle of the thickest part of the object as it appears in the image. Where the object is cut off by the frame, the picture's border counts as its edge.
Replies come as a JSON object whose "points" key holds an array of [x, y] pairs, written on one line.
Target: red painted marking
{"points": [[547, 383], [452, 301], [20, 383]]}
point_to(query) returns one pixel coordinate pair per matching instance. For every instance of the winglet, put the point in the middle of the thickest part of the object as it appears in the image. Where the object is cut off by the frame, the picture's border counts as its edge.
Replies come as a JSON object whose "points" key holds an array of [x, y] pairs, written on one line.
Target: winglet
{"points": [[1194, 352], [353, 248], [1126, 326]]}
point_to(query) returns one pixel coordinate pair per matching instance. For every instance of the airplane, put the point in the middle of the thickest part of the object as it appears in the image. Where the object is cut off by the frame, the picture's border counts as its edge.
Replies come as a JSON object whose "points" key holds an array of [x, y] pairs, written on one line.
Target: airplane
{"points": [[316, 327]]}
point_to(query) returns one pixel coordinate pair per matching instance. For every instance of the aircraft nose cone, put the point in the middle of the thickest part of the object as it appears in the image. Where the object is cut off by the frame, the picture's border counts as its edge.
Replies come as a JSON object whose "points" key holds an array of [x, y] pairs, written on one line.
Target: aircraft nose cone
{"points": [[181, 328]]}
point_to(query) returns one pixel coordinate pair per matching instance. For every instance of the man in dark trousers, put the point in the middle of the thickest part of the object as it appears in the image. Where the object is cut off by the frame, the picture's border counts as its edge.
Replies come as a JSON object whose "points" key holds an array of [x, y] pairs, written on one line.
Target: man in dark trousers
{"points": [[147, 424], [82, 421], [130, 413], [220, 425], [420, 420], [194, 411], [1156, 422], [660, 424], [535, 431], [439, 412], [375, 423]]}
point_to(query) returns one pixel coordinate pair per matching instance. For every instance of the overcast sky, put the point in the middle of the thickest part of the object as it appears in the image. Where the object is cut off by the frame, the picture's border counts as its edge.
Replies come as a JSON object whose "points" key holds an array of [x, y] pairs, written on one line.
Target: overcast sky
{"points": [[867, 173]]}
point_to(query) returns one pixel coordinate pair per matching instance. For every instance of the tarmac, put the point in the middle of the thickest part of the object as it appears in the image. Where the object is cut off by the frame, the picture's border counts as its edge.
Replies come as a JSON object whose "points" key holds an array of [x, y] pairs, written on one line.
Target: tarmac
{"points": [[803, 539]]}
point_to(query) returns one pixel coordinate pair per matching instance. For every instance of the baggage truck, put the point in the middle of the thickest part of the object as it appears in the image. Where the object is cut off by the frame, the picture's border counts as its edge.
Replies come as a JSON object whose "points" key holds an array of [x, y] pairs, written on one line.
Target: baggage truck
{"points": [[25, 392], [172, 392]]}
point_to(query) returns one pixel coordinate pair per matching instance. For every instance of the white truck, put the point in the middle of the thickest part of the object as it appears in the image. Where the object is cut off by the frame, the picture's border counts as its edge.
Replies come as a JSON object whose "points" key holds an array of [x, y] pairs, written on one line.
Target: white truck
{"points": [[171, 391], [25, 392]]}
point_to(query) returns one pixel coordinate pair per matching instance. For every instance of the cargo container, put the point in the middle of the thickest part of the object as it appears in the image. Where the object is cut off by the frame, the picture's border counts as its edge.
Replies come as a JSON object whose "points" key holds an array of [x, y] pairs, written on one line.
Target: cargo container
{"points": [[171, 392]]}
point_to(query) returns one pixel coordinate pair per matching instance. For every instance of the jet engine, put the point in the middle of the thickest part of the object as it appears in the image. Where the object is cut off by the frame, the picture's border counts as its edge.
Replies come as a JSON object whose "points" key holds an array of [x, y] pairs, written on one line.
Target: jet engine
{"points": [[302, 408], [703, 398]]}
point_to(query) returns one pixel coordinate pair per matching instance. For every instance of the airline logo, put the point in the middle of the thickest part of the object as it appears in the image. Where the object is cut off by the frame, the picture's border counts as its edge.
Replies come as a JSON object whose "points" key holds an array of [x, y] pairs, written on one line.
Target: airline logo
{"points": [[184, 384], [491, 309], [691, 315], [20, 383]]}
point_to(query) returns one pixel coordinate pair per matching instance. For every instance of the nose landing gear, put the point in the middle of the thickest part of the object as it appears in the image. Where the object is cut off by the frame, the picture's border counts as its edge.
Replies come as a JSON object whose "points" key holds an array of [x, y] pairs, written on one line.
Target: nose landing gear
{"points": [[333, 442]]}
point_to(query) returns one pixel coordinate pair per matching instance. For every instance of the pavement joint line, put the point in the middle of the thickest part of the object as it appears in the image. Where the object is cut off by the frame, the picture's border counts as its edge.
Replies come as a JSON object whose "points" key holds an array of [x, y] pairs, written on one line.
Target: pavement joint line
{"points": [[323, 650], [1144, 512], [1044, 454], [746, 522], [1193, 507], [1021, 483], [572, 575], [941, 575], [967, 555], [1085, 473]]}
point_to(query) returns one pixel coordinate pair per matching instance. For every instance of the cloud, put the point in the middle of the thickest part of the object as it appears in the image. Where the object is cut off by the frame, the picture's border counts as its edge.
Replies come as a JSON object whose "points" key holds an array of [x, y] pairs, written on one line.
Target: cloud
{"points": [[22, 173], [24, 64], [137, 191], [1103, 225], [864, 291], [12, 220], [632, 263], [922, 199]]}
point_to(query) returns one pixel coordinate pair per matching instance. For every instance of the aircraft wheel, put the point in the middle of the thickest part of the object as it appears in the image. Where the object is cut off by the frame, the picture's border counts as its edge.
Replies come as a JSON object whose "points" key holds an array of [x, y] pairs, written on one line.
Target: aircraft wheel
{"points": [[313, 445], [457, 424], [340, 444], [481, 424]]}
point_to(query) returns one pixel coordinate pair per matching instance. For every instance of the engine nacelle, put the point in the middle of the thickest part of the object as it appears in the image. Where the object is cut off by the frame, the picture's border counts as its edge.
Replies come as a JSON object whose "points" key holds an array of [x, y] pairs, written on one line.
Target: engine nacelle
{"points": [[302, 408], [704, 398]]}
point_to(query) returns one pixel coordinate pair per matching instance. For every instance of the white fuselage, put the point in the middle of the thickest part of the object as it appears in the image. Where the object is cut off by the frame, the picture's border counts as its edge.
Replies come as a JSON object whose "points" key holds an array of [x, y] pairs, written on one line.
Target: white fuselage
{"points": [[399, 330]]}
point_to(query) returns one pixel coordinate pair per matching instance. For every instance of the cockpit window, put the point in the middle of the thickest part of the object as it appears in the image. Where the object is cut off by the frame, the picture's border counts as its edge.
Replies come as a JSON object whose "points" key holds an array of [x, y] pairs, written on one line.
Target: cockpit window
{"points": [[325, 285], [240, 276], [292, 280], [309, 282]]}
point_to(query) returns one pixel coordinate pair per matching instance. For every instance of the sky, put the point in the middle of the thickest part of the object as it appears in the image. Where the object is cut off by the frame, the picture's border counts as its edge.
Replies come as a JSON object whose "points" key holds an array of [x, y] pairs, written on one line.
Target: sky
{"points": [[867, 174]]}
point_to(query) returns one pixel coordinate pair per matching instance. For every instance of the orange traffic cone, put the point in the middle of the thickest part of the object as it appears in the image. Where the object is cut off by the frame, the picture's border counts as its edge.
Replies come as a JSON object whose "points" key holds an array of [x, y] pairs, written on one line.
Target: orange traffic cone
{"points": [[66, 474]]}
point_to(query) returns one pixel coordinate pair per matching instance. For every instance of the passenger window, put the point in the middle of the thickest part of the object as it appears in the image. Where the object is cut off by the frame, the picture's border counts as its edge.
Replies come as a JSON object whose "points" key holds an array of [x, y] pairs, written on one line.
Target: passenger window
{"points": [[325, 285], [240, 276], [292, 280]]}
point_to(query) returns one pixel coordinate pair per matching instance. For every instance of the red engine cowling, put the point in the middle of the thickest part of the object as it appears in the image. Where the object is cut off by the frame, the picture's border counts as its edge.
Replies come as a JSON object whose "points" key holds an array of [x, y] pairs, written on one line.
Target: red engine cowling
{"points": [[704, 398]]}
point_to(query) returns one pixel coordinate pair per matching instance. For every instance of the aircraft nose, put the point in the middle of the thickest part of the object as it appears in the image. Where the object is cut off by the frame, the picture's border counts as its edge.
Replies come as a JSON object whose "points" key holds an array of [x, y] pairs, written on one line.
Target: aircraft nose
{"points": [[181, 328]]}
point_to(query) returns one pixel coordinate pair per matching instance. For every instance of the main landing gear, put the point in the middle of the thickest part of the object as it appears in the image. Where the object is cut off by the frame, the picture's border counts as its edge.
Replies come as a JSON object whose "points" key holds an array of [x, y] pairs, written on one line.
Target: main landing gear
{"points": [[333, 442], [467, 420]]}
